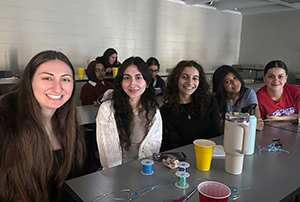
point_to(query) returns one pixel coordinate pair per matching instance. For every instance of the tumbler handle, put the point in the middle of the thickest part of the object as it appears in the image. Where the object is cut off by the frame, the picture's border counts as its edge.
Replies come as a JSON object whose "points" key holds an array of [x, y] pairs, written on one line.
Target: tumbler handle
{"points": [[246, 133]]}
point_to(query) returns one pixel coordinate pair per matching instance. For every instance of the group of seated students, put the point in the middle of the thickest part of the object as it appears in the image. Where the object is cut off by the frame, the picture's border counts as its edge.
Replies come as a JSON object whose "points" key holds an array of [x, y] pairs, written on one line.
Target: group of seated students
{"points": [[98, 68], [190, 109], [41, 144], [96, 71]]}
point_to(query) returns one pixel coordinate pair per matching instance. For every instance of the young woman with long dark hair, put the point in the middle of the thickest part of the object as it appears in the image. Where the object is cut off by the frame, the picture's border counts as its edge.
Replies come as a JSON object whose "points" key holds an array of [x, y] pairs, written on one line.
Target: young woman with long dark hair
{"points": [[40, 140], [110, 59], [229, 85], [129, 124]]}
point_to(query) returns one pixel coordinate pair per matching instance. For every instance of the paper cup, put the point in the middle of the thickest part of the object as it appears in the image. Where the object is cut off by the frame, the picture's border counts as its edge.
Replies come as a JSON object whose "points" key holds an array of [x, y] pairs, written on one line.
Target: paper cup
{"points": [[115, 71], [211, 191], [80, 73], [203, 153]]}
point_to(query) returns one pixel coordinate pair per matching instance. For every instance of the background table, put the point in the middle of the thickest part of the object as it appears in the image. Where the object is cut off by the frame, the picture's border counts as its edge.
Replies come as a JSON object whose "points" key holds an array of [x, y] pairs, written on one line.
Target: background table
{"points": [[259, 71], [84, 79], [7, 83], [271, 176], [285, 125]]}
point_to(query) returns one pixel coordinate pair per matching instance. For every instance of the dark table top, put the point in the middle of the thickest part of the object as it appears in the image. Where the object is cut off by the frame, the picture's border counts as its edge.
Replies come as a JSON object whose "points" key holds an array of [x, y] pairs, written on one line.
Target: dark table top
{"points": [[285, 125]]}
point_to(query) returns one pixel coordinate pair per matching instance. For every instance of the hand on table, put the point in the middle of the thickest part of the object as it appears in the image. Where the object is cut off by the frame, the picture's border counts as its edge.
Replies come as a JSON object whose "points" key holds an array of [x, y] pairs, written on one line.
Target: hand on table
{"points": [[259, 124], [108, 70], [272, 118], [282, 118]]}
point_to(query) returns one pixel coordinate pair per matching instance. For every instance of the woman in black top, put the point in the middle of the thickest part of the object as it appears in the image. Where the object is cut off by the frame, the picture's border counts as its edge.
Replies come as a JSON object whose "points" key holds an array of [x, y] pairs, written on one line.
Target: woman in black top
{"points": [[40, 140], [158, 82], [190, 110]]}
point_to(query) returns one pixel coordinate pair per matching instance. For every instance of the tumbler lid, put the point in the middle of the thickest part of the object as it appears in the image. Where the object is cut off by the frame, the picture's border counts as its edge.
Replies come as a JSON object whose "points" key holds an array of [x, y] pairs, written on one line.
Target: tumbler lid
{"points": [[250, 109], [237, 117]]}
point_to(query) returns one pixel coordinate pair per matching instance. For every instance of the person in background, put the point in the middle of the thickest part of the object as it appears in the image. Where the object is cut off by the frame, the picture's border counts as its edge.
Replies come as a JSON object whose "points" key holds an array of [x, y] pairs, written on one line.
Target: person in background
{"points": [[229, 85], [110, 60], [190, 110], [278, 100], [89, 60], [159, 83], [40, 141], [96, 86], [128, 123]]}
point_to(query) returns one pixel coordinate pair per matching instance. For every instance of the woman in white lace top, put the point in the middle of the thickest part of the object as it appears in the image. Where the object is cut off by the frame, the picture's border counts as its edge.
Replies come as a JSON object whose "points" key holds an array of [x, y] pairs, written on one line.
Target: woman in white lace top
{"points": [[129, 124]]}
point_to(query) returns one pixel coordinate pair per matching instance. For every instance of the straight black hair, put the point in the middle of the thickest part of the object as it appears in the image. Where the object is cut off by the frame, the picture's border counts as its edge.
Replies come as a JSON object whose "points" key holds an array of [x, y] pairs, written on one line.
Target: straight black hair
{"points": [[218, 80], [153, 61], [275, 63]]}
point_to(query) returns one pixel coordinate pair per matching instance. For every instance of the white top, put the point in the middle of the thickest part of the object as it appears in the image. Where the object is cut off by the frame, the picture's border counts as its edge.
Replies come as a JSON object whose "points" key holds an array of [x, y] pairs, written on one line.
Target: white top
{"points": [[108, 140]]}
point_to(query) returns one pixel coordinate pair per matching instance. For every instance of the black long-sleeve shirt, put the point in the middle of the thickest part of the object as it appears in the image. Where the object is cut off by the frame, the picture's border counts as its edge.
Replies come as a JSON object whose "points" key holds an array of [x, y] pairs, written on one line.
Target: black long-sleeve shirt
{"points": [[179, 130]]}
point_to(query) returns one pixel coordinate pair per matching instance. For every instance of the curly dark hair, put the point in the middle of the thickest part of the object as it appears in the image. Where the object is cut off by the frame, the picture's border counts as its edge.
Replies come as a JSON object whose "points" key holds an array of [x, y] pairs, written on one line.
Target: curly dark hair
{"points": [[123, 109], [200, 98]]}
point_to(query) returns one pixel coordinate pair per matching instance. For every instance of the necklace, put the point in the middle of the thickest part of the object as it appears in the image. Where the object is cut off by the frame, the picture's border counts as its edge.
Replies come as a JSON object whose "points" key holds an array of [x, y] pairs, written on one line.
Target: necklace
{"points": [[189, 116]]}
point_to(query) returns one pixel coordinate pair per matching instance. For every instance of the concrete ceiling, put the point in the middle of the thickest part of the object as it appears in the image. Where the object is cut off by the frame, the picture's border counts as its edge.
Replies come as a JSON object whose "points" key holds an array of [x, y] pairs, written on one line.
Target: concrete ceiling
{"points": [[246, 7]]}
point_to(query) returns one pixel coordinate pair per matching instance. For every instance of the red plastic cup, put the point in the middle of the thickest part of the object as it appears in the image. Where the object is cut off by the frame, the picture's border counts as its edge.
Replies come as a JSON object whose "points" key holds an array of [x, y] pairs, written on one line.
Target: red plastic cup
{"points": [[210, 191]]}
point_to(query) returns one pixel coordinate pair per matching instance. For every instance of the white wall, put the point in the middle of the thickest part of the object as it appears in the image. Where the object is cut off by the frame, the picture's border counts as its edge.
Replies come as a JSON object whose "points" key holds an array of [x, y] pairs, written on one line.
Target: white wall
{"points": [[271, 36], [85, 28]]}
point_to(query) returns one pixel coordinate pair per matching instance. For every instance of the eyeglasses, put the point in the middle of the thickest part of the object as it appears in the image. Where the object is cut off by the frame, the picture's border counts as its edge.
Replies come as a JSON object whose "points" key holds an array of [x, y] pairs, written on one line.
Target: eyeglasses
{"points": [[151, 70], [100, 70]]}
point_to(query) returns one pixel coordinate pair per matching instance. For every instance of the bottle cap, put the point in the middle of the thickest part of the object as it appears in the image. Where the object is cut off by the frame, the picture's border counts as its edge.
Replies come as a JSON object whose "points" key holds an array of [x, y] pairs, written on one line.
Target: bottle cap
{"points": [[249, 109]]}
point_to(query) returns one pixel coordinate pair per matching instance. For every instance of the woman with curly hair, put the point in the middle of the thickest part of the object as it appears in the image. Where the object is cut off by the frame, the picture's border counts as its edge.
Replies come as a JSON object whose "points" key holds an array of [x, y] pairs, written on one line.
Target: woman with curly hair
{"points": [[190, 110], [129, 124], [40, 141]]}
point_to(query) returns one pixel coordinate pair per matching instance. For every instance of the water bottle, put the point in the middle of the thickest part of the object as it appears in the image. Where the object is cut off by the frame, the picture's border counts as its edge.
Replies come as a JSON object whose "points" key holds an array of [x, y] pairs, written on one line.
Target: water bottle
{"points": [[252, 126]]}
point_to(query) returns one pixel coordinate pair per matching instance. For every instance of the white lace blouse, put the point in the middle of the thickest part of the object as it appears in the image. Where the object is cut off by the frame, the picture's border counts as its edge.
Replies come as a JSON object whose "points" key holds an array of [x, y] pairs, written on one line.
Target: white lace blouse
{"points": [[108, 140]]}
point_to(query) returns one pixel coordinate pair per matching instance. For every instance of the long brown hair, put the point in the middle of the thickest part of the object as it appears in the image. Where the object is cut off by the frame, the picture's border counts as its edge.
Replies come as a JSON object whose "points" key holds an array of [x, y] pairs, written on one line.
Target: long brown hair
{"points": [[123, 109], [26, 155], [200, 98]]}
